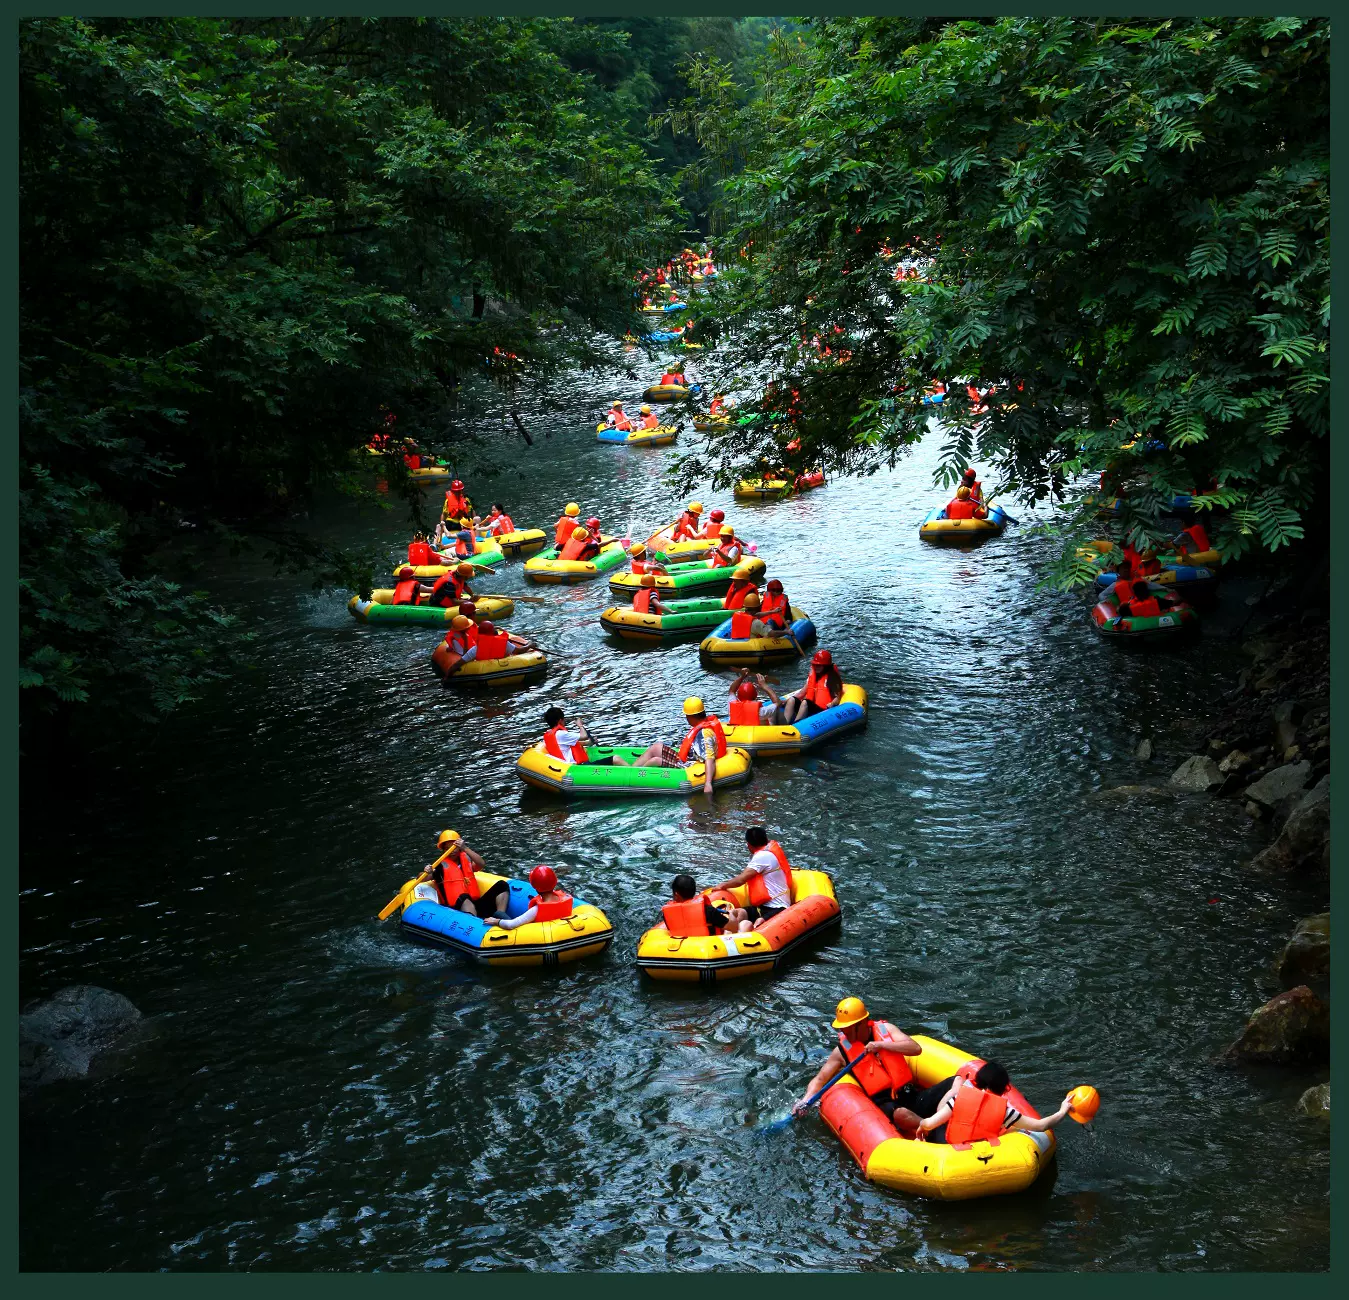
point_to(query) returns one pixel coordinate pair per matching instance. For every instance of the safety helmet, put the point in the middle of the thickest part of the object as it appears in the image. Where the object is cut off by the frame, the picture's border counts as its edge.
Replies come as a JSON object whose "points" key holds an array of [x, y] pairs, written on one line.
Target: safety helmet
{"points": [[962, 493], [648, 580], [543, 879], [746, 691], [969, 475], [751, 601], [693, 705], [487, 627], [467, 608], [464, 570], [851, 1011], [465, 523], [579, 534], [638, 550], [717, 516], [822, 659], [742, 571], [775, 586], [457, 485], [446, 837], [646, 410], [695, 507], [572, 508], [616, 405], [592, 522], [727, 531], [461, 621]]}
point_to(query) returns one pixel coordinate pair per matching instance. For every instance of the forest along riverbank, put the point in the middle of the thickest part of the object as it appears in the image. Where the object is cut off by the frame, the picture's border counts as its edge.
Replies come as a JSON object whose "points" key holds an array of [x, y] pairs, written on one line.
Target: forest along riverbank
{"points": [[311, 1091]]}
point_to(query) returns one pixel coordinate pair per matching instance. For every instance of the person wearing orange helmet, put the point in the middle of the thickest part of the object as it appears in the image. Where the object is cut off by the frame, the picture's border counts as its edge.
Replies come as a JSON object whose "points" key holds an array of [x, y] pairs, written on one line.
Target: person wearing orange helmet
{"points": [[641, 561], [823, 689], [450, 588], [645, 600], [548, 903], [462, 643]]}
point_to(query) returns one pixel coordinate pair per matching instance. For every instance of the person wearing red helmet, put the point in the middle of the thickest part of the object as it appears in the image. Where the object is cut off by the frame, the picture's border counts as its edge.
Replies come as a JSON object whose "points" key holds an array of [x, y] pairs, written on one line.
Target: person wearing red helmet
{"points": [[745, 710], [970, 480], [823, 689], [713, 530], [775, 608], [457, 504], [549, 903]]}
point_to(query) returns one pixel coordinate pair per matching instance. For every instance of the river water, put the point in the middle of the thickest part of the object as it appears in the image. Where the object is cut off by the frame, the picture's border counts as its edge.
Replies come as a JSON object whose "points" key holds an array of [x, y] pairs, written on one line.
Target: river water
{"points": [[317, 1093]]}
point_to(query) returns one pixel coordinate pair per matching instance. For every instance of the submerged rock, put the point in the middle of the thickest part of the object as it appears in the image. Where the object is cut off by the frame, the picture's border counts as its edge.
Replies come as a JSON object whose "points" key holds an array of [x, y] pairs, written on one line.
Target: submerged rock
{"points": [[1198, 772], [1274, 787], [1307, 956], [1316, 1101], [1142, 793], [1292, 1027], [1144, 750], [59, 1038]]}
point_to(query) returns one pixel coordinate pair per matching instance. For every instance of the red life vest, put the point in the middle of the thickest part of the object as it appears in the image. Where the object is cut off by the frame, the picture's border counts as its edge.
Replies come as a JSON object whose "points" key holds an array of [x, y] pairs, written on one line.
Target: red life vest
{"points": [[1197, 535], [419, 553], [564, 528], [641, 602], [668, 380], [885, 1070], [717, 406], [817, 690], [744, 713], [686, 528], [758, 890], [711, 532], [405, 593], [1149, 608], [707, 724], [555, 911], [774, 607], [458, 878], [686, 920], [443, 592], [461, 642], [726, 555], [976, 1116], [736, 593], [552, 745], [456, 505], [575, 548], [412, 461], [742, 626], [959, 509], [496, 646]]}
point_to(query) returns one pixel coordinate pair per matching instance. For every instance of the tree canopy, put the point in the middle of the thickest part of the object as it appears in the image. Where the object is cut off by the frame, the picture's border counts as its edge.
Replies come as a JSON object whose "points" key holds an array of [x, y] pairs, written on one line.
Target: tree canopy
{"points": [[1120, 228]]}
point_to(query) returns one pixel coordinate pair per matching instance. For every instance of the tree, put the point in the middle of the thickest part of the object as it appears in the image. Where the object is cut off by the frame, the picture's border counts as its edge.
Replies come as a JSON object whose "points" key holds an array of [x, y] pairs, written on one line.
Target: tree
{"points": [[1120, 229]]}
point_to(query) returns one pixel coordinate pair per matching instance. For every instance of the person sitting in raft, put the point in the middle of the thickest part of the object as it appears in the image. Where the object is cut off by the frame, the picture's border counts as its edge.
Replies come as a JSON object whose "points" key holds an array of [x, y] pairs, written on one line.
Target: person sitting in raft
{"points": [[823, 689], [562, 530], [743, 581], [463, 539], [493, 644], [671, 378], [450, 588], [580, 546], [977, 1111], [717, 406], [617, 419], [775, 609], [1139, 564], [689, 914], [1191, 541], [964, 508], [746, 623], [686, 526], [456, 884], [768, 878], [640, 562], [498, 521], [967, 479], [714, 525], [645, 600], [462, 643], [1140, 601], [569, 745], [729, 550], [456, 503], [419, 551], [548, 904], [649, 421]]}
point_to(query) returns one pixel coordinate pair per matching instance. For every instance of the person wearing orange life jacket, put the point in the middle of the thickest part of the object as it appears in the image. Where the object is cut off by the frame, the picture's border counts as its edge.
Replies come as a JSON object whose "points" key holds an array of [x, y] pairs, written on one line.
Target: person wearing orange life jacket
{"points": [[1191, 541], [549, 903], [707, 735], [1141, 565], [717, 405], [1140, 602], [457, 504], [493, 644], [498, 521], [462, 643], [617, 418], [450, 588], [568, 520], [690, 914], [823, 689], [464, 545], [968, 479], [745, 709], [962, 507], [645, 600], [578, 546], [744, 580], [686, 526], [406, 592], [649, 421], [775, 609], [671, 379], [729, 550], [746, 623], [975, 1110], [715, 521], [768, 878], [456, 884], [568, 742], [640, 562]]}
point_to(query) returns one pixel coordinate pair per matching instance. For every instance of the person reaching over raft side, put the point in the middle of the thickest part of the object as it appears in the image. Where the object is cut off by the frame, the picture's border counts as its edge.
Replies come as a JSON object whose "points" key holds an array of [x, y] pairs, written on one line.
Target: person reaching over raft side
{"points": [[645, 600], [686, 526], [548, 904], [768, 878], [562, 530], [455, 884], [823, 689], [962, 507], [714, 522], [977, 1111], [649, 421]]}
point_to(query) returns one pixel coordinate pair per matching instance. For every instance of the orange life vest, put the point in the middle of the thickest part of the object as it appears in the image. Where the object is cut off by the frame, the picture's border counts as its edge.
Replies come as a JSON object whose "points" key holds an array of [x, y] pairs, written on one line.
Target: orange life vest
{"points": [[502, 524], [554, 911], [736, 593], [461, 642], [496, 646], [551, 744], [686, 528], [641, 602], [405, 593], [958, 509], [976, 1116], [774, 607], [622, 423], [668, 380], [686, 920], [419, 553], [885, 1070], [444, 591], [564, 528], [1149, 608], [707, 724], [726, 554], [717, 406], [742, 626], [758, 890], [458, 878], [650, 422], [817, 690], [456, 505], [744, 713], [462, 548], [1197, 535], [574, 548], [412, 461]]}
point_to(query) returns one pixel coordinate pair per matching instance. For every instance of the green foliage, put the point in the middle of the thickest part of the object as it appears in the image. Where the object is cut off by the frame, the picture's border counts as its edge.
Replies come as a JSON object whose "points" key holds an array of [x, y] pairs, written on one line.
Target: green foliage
{"points": [[239, 239], [1122, 228]]}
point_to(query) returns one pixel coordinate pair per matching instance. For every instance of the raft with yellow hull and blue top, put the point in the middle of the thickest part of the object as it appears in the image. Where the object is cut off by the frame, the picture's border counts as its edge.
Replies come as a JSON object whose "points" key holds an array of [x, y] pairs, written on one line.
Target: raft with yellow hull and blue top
{"points": [[768, 740]]}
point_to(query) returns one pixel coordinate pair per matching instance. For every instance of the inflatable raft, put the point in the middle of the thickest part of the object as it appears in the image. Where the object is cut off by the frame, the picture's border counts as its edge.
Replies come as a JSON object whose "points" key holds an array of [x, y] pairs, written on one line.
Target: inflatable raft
{"points": [[1169, 625], [661, 436], [704, 423], [693, 576], [939, 529], [693, 617], [585, 933], [720, 650], [381, 609], [429, 474], [937, 1170], [1193, 581], [690, 548], [512, 670], [770, 489], [547, 568], [538, 768], [708, 959], [767, 740], [666, 393], [524, 541]]}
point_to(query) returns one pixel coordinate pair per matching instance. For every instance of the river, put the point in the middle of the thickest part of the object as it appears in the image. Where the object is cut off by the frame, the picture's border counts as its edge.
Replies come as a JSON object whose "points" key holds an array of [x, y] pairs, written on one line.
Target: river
{"points": [[317, 1093]]}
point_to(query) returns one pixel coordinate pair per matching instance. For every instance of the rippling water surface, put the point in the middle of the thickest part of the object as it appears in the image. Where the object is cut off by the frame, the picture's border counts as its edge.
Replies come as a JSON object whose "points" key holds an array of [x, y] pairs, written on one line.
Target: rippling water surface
{"points": [[319, 1094]]}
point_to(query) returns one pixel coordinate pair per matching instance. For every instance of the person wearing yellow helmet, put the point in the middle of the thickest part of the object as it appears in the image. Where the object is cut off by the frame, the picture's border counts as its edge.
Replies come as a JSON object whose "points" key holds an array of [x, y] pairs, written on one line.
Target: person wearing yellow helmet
{"points": [[568, 520], [729, 549], [705, 739], [579, 545], [649, 420], [454, 882], [687, 525], [642, 562], [617, 419]]}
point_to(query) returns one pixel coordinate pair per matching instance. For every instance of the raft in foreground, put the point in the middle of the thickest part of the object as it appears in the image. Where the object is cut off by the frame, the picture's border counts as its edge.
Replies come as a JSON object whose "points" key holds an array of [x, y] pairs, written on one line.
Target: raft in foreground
{"points": [[540, 769], [721, 650], [995, 1167], [708, 959]]}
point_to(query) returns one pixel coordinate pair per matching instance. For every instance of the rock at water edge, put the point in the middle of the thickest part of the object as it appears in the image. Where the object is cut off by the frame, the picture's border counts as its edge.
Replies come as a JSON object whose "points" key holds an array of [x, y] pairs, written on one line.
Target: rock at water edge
{"points": [[60, 1037], [1198, 772], [1304, 842], [1292, 1027], [1277, 785], [1316, 1101], [1307, 956]]}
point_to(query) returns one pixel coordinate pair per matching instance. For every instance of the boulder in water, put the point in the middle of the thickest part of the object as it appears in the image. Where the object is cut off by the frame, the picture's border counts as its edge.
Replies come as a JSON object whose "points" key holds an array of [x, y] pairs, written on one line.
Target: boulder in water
{"points": [[1198, 773], [1315, 1102], [1307, 956], [1272, 788], [60, 1037], [1304, 842], [1292, 1027]]}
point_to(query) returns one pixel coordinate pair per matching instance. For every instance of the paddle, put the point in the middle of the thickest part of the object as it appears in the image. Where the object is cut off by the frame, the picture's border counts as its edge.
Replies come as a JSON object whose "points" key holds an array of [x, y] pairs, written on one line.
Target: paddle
{"points": [[398, 897], [779, 1124]]}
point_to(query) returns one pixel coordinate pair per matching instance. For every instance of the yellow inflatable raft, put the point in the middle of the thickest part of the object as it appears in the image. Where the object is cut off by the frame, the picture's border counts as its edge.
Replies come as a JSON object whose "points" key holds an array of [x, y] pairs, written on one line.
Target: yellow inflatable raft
{"points": [[548, 568], [705, 423], [720, 650], [381, 609], [708, 959], [665, 393], [538, 768], [524, 541], [512, 670], [1009, 1163], [849, 714], [661, 436], [939, 529]]}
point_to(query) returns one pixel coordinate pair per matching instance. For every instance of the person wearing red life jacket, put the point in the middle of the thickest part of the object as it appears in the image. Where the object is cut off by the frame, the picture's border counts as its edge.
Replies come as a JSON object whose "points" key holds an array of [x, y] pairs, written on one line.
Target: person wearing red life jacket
{"points": [[746, 623], [743, 581], [549, 903], [717, 406], [498, 521], [729, 550], [455, 884], [562, 530], [1140, 602], [569, 742], [775, 609], [690, 914], [975, 1110], [462, 643], [671, 379], [578, 546], [451, 588], [823, 689], [705, 739], [457, 505], [640, 564], [645, 600], [686, 526], [464, 545], [714, 525], [1191, 541], [962, 507], [1142, 565], [768, 878], [649, 420], [419, 550], [617, 419], [406, 592], [968, 479], [745, 709]]}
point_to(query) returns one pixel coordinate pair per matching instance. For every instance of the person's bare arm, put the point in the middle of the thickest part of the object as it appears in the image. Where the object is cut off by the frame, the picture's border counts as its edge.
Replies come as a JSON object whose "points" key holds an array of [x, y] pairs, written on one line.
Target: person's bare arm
{"points": [[1030, 1124], [833, 1063]]}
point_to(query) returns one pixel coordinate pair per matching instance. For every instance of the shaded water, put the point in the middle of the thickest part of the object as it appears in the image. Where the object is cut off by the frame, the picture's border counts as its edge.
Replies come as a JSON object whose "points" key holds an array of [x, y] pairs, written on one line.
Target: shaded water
{"points": [[319, 1094]]}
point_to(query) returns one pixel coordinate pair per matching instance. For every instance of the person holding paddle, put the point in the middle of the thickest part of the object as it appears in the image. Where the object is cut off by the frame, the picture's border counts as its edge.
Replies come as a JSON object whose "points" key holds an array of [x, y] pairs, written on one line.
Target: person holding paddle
{"points": [[453, 881]]}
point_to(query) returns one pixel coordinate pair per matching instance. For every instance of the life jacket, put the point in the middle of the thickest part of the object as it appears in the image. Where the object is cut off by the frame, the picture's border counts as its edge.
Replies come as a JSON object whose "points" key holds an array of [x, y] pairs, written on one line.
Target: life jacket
{"points": [[758, 889], [412, 461], [712, 532], [717, 406], [574, 548], [622, 423], [456, 505], [686, 920], [1149, 608], [462, 641], [686, 528], [958, 509], [462, 548], [774, 608], [496, 646], [707, 724], [1197, 535], [563, 530], [554, 747], [458, 878], [817, 689], [641, 602], [726, 555], [501, 524], [736, 593], [1139, 567], [405, 593], [885, 1070], [744, 713], [555, 911], [976, 1116], [650, 422], [667, 380], [742, 626], [419, 553], [443, 592]]}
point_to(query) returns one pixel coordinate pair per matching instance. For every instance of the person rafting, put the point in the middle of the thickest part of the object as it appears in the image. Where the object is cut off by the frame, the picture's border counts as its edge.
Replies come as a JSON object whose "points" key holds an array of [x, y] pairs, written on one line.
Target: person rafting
{"points": [[464, 545], [729, 549], [419, 551], [707, 735], [568, 742], [976, 1110], [498, 521], [714, 524], [579, 546], [717, 405], [450, 588], [1139, 564], [645, 599], [549, 903], [1191, 541], [963, 507], [617, 419], [672, 379], [768, 878], [968, 479], [649, 420], [1139, 600], [746, 623], [457, 505], [775, 609], [462, 643], [743, 581], [642, 563], [493, 644], [457, 885], [686, 526], [823, 689], [689, 913], [568, 520]]}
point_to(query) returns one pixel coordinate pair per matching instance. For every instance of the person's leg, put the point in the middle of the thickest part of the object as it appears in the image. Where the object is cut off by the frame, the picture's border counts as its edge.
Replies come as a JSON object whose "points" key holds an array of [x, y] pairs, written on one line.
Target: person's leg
{"points": [[926, 1100], [904, 1120], [493, 904]]}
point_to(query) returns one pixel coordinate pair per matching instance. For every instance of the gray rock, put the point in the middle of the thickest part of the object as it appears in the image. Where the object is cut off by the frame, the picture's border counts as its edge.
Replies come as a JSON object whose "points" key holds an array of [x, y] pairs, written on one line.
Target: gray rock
{"points": [[1283, 711], [1144, 750], [1307, 956], [1285, 734], [61, 1037], [1234, 762], [1304, 842], [1198, 772], [1141, 793], [1315, 1102], [1278, 784], [1290, 1027]]}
